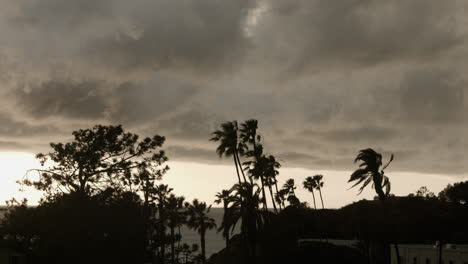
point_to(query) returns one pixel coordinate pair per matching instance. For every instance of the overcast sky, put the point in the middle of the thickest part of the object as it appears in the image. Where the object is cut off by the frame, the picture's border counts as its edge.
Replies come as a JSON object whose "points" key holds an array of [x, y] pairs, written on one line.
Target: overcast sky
{"points": [[324, 78]]}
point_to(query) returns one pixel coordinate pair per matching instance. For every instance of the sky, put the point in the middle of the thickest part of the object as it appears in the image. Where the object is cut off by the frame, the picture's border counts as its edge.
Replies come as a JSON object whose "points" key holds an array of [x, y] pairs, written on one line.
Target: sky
{"points": [[324, 78]]}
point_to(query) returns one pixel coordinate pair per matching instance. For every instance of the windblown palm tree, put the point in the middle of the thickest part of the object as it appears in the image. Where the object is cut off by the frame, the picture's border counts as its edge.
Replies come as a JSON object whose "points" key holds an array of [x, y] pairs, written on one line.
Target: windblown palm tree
{"points": [[310, 185], [271, 172], [319, 185], [369, 172], [199, 221], [249, 136], [290, 189], [225, 197], [229, 144]]}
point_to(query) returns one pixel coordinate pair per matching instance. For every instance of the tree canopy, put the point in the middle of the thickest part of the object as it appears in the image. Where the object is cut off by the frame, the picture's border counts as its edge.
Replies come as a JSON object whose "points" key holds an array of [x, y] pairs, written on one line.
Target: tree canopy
{"points": [[97, 158]]}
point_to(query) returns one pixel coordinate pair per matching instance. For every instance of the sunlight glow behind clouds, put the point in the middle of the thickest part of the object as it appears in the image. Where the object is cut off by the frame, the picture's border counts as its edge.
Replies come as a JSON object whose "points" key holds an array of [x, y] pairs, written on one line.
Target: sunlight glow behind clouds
{"points": [[13, 166]]}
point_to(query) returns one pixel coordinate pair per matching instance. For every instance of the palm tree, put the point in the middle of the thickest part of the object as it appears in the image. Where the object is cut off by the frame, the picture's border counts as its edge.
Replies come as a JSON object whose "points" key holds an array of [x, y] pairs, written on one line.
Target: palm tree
{"points": [[319, 185], [199, 221], [369, 172], [245, 207], [249, 135], [176, 217], [289, 189], [224, 197], [229, 144], [310, 184], [271, 171]]}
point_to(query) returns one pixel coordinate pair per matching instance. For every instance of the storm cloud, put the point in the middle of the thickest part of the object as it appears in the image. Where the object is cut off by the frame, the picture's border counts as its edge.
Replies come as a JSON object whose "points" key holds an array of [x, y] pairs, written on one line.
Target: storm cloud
{"points": [[324, 78]]}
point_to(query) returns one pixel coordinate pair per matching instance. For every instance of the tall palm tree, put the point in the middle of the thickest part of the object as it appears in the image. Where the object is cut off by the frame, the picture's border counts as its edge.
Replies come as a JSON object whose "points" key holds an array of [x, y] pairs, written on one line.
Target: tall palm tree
{"points": [[271, 171], [249, 135], [225, 197], [369, 172], [318, 179], [229, 144], [199, 221], [309, 184], [176, 217]]}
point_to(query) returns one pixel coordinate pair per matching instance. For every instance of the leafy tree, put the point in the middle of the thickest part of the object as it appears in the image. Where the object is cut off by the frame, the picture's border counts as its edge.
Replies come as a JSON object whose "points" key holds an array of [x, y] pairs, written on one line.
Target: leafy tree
{"points": [[423, 192], [107, 226], [456, 193], [199, 221], [369, 172], [229, 145], [96, 159]]}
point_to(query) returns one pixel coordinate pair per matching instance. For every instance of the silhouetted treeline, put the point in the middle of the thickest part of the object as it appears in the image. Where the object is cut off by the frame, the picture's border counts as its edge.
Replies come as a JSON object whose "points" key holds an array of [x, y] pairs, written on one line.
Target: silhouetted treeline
{"points": [[103, 203]]}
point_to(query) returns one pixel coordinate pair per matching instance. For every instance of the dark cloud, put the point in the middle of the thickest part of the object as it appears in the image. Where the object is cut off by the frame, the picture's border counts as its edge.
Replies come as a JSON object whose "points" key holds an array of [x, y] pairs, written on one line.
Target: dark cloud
{"points": [[319, 33], [324, 78], [433, 95], [136, 102], [194, 154], [68, 99]]}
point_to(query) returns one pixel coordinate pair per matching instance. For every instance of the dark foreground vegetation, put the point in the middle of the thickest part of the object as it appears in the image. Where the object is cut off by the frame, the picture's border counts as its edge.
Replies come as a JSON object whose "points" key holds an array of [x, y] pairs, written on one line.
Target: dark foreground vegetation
{"points": [[103, 204]]}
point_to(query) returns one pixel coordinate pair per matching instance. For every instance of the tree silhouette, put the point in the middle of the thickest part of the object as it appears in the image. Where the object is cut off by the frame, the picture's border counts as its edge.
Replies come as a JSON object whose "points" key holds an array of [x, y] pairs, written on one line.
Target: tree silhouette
{"points": [[245, 207], [318, 179], [96, 159], [176, 216], [229, 144], [199, 220], [162, 194], [256, 167], [369, 172], [289, 190], [310, 184], [271, 172], [225, 198], [456, 193]]}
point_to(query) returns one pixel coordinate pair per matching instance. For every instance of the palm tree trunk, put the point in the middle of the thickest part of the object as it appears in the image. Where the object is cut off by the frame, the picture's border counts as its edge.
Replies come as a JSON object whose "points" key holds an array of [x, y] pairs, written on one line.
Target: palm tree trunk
{"points": [[272, 199], [265, 205], [178, 242], [162, 233], [276, 187], [237, 169], [226, 230], [240, 165], [172, 245], [313, 196], [320, 191], [202, 242]]}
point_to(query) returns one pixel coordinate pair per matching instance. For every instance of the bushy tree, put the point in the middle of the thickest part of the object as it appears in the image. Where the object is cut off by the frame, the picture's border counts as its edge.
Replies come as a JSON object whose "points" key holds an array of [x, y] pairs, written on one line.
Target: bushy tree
{"points": [[96, 159]]}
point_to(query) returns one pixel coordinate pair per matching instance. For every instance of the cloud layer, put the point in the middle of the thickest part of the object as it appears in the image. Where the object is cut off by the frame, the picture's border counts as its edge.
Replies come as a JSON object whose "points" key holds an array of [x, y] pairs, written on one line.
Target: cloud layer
{"points": [[324, 78]]}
